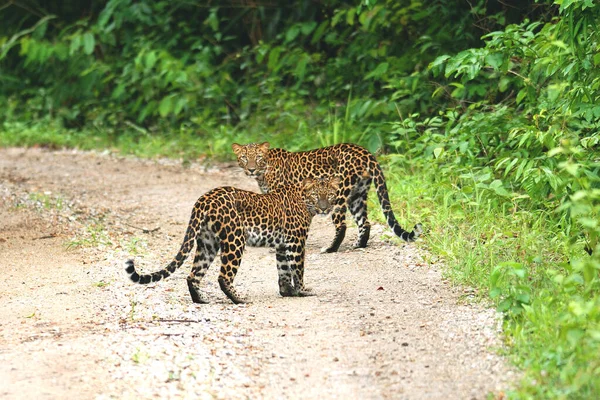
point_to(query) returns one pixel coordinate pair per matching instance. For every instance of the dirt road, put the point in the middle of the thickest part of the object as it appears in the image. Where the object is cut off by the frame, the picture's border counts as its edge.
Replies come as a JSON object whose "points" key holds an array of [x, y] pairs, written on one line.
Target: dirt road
{"points": [[384, 324]]}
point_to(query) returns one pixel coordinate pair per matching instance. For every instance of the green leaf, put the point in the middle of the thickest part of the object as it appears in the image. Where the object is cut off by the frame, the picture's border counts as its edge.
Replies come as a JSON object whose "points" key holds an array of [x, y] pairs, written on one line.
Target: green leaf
{"points": [[292, 33], [439, 61], [524, 298], [150, 59], [75, 44], [350, 16], [574, 335], [274, 59], [554, 91], [88, 43], [497, 187], [521, 95], [505, 305], [165, 106], [319, 32], [494, 60], [300, 69], [119, 90], [495, 293], [213, 20], [179, 105], [378, 71], [308, 27]]}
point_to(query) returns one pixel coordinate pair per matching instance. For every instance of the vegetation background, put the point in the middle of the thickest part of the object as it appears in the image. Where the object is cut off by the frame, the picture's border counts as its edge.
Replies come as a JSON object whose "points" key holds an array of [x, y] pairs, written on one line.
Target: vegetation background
{"points": [[486, 114]]}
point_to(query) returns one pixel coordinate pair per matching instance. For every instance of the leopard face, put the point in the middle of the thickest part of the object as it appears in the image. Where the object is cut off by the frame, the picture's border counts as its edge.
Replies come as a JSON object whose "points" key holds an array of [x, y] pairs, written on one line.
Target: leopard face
{"points": [[252, 158], [320, 194]]}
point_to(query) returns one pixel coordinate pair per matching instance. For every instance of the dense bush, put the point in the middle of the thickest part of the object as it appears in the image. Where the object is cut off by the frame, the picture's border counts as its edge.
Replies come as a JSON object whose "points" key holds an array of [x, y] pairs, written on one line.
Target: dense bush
{"points": [[523, 137], [164, 63]]}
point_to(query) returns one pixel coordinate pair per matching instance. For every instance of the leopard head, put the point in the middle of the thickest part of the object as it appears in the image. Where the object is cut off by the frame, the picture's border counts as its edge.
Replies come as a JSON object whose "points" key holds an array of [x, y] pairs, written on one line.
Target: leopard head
{"points": [[320, 194], [252, 157]]}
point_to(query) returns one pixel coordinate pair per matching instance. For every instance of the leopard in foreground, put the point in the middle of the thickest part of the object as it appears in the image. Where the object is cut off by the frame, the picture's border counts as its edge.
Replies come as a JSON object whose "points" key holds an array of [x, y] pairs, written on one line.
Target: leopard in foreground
{"points": [[355, 166], [226, 219]]}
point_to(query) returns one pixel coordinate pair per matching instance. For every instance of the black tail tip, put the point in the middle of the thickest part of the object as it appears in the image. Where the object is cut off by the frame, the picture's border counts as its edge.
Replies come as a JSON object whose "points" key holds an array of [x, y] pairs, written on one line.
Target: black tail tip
{"points": [[130, 269]]}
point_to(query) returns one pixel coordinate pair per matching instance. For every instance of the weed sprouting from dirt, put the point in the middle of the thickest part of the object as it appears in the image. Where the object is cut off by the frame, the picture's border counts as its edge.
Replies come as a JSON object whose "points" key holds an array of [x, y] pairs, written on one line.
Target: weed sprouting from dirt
{"points": [[94, 235]]}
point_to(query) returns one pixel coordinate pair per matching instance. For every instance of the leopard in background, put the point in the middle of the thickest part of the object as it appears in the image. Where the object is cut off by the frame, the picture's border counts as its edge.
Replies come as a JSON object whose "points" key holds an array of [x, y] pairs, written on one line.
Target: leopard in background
{"points": [[356, 167]]}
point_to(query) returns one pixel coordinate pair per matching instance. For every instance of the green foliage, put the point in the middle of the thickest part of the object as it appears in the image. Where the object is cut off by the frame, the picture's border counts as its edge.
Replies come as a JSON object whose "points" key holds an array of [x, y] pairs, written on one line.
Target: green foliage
{"points": [[160, 64], [519, 147]]}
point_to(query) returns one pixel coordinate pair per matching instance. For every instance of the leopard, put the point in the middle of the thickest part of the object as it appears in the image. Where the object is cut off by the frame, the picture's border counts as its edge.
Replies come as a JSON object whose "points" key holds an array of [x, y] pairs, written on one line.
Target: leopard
{"points": [[355, 166], [226, 219]]}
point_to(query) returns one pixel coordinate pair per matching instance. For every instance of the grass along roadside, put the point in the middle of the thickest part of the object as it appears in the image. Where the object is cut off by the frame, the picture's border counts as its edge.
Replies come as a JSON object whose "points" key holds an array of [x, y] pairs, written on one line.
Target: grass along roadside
{"points": [[515, 254], [546, 286], [186, 143]]}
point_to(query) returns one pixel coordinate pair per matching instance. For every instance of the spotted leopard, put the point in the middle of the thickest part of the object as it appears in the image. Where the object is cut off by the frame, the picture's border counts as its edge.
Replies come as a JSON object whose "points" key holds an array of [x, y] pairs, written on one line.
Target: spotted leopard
{"points": [[227, 219], [356, 166]]}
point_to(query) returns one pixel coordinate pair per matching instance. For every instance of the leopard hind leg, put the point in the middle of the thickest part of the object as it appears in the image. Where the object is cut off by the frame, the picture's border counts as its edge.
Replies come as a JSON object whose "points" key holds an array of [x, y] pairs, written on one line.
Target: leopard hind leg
{"points": [[206, 251], [357, 203], [232, 249], [338, 216]]}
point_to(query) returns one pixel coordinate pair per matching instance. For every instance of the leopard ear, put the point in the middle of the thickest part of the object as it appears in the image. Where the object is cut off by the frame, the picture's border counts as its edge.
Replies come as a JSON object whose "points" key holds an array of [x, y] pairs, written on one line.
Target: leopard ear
{"points": [[333, 163], [236, 148], [264, 146], [335, 182], [308, 183]]}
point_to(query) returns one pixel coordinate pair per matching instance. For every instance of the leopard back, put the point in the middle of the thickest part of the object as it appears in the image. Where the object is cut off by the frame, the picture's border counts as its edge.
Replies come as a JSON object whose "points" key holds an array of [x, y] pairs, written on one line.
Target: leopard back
{"points": [[356, 167], [226, 219]]}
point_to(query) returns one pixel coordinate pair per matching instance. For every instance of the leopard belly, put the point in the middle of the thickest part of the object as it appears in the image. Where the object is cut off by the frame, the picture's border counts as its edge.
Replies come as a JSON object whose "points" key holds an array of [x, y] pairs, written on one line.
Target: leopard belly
{"points": [[258, 237]]}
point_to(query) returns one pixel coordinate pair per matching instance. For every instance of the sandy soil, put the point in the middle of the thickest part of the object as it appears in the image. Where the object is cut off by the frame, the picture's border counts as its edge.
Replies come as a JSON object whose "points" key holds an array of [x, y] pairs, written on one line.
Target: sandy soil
{"points": [[384, 323]]}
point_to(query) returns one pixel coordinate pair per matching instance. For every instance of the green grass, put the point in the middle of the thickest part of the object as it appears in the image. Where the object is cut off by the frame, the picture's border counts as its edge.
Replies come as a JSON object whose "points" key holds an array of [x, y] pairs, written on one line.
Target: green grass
{"points": [[186, 144], [46, 201], [524, 263], [135, 245], [511, 252], [93, 235]]}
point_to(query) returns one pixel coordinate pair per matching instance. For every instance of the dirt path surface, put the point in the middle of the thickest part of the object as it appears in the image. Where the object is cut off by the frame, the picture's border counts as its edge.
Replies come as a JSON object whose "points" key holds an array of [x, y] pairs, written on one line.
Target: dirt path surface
{"points": [[384, 324]]}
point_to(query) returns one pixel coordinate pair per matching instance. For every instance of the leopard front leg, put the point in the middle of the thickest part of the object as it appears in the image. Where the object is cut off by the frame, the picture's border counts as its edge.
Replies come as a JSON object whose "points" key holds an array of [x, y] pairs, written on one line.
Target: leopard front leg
{"points": [[290, 265], [298, 275]]}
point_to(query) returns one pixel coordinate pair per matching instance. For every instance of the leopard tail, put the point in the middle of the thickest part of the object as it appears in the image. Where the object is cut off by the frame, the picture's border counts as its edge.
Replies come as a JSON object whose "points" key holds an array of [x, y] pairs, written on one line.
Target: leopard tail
{"points": [[384, 200], [182, 254]]}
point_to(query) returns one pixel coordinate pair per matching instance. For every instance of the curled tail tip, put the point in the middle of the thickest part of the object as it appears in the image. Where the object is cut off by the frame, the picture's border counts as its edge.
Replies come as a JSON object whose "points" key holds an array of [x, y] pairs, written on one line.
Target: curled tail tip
{"points": [[418, 230], [130, 269], [412, 236]]}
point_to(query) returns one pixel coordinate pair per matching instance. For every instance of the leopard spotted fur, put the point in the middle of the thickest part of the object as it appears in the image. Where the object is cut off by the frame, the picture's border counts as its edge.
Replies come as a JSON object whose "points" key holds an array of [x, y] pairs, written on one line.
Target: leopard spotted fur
{"points": [[227, 219], [356, 166]]}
